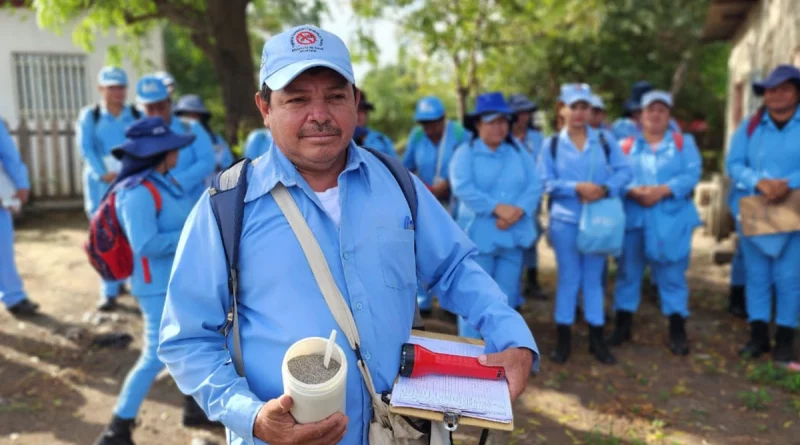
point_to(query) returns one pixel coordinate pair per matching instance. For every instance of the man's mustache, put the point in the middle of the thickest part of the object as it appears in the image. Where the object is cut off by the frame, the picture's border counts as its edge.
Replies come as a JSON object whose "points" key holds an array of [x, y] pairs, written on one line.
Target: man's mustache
{"points": [[324, 129]]}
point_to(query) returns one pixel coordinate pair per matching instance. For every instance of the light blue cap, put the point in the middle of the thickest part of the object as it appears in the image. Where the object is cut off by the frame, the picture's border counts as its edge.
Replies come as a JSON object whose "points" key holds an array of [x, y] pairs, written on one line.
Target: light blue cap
{"points": [[572, 93], [597, 102], [657, 96], [150, 89], [290, 53], [191, 103], [111, 76], [429, 108], [166, 78]]}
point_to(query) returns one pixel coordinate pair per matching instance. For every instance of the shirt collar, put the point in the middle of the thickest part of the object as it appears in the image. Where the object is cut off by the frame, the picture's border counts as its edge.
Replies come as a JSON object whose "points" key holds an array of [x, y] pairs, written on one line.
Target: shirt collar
{"points": [[274, 167], [766, 119]]}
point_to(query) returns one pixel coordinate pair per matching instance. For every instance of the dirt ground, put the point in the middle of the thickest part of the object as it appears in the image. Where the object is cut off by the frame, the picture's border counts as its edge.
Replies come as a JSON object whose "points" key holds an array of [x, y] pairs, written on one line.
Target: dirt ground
{"points": [[57, 389]]}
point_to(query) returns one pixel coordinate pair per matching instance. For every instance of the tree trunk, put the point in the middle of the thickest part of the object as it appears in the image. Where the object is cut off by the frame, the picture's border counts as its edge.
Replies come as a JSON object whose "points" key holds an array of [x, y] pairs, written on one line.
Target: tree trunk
{"points": [[231, 55]]}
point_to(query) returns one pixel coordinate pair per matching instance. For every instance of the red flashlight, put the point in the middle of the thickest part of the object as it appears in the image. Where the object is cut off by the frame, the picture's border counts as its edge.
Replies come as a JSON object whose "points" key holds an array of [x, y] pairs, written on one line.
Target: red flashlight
{"points": [[416, 361]]}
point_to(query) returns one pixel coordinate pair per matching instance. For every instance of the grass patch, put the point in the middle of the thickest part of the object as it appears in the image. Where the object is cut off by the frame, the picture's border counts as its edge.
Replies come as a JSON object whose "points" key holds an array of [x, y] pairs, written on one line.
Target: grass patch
{"points": [[756, 400], [768, 373]]}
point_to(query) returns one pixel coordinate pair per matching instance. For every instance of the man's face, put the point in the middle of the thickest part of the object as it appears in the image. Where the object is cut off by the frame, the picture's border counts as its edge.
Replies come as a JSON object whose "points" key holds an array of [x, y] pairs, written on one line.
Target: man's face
{"points": [[597, 117], [493, 133], [363, 118], [113, 95], [161, 109], [433, 129], [312, 119], [655, 118], [782, 98]]}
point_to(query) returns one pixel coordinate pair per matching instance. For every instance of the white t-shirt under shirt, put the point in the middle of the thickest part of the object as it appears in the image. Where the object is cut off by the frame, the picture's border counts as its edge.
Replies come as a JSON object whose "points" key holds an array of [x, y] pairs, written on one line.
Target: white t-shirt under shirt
{"points": [[330, 202]]}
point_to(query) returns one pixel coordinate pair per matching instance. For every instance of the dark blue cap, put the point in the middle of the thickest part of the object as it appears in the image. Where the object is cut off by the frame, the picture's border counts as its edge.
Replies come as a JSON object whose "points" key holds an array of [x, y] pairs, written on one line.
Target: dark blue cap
{"points": [[781, 74], [640, 88], [491, 103], [150, 137], [364, 104], [520, 103], [191, 103]]}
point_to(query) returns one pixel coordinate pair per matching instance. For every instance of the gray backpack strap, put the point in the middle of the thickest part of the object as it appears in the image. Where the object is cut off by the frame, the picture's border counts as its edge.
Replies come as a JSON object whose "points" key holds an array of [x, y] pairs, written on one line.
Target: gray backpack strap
{"points": [[227, 194]]}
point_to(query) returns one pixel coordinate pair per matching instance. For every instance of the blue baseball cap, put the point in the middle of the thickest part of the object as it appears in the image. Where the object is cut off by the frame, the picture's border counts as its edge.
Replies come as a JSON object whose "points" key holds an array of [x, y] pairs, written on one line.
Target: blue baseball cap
{"points": [[111, 76], [597, 102], [149, 137], [191, 103], [166, 78], [781, 74], [490, 106], [150, 89], [290, 53], [429, 109], [657, 96], [572, 93], [520, 103]]}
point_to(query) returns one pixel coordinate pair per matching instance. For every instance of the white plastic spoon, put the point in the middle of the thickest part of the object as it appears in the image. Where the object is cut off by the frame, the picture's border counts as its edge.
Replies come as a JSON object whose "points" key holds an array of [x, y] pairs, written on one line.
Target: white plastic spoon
{"points": [[329, 349]]}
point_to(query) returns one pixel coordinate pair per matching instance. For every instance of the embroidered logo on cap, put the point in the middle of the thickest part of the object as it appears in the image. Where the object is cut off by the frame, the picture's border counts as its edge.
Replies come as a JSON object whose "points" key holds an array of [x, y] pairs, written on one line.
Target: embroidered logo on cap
{"points": [[159, 130], [425, 107], [306, 40], [150, 87]]}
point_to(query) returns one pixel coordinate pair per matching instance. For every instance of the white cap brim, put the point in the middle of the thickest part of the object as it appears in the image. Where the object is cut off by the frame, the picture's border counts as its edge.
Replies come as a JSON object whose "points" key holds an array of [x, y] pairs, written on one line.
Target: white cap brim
{"points": [[113, 83], [279, 79]]}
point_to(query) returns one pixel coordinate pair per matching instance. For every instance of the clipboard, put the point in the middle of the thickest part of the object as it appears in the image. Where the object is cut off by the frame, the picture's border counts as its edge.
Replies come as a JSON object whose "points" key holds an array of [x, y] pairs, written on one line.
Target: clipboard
{"points": [[452, 419], [760, 217]]}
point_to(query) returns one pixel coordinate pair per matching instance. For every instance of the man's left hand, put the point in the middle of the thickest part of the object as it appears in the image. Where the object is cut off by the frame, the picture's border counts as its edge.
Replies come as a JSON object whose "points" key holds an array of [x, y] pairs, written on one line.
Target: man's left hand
{"points": [[517, 362]]}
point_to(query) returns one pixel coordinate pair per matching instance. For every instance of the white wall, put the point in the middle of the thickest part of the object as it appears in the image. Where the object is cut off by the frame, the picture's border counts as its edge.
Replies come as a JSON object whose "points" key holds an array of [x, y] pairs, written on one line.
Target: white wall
{"points": [[19, 33]]}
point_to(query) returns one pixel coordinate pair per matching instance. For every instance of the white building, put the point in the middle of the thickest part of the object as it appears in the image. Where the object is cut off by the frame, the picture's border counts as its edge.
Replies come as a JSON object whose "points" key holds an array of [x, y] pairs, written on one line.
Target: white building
{"points": [[46, 79]]}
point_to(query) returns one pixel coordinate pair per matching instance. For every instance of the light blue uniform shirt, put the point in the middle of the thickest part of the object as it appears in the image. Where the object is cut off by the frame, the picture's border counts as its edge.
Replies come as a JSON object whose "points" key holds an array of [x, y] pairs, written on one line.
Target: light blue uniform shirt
{"points": [[425, 159], [195, 162], [96, 140], [371, 257], [223, 157], [11, 161], [481, 179], [153, 235], [258, 142], [532, 143], [573, 166], [379, 141]]}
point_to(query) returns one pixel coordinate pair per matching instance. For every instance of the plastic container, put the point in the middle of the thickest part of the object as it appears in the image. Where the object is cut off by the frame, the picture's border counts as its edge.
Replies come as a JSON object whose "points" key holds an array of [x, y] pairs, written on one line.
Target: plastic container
{"points": [[313, 403]]}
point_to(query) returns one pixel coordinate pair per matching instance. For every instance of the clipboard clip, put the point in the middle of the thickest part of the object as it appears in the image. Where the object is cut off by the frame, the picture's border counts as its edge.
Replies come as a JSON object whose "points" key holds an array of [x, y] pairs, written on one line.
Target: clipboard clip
{"points": [[451, 420]]}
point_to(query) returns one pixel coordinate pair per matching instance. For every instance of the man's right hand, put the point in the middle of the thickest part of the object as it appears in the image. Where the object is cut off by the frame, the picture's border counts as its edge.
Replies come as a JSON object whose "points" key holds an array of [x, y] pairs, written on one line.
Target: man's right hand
{"points": [[774, 190], [589, 192], [274, 425], [510, 213], [109, 177]]}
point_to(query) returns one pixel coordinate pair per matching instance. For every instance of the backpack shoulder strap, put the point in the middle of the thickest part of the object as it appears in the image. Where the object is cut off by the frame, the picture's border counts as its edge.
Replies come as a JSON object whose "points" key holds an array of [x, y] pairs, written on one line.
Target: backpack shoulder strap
{"points": [[554, 146], [409, 189], [627, 144], [135, 112], [96, 114], [227, 194], [606, 147], [153, 191], [755, 120]]}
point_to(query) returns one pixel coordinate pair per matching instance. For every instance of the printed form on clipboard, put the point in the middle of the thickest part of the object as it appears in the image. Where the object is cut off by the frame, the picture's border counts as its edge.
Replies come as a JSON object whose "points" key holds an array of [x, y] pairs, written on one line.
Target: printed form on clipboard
{"points": [[480, 399]]}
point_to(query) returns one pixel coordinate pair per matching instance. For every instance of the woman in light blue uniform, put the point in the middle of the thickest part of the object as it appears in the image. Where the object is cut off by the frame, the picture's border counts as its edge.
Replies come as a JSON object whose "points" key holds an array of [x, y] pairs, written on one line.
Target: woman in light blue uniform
{"points": [[530, 139], [152, 209], [498, 193], [257, 143], [192, 109], [579, 165], [660, 220], [764, 160], [429, 149]]}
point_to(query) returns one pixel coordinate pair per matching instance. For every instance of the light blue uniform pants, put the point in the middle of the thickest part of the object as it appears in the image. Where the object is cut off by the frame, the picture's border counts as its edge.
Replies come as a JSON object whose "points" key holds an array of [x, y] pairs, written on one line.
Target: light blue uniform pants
{"points": [[577, 272], [763, 272], [93, 192], [505, 266], [738, 277], [669, 277], [144, 372], [11, 291]]}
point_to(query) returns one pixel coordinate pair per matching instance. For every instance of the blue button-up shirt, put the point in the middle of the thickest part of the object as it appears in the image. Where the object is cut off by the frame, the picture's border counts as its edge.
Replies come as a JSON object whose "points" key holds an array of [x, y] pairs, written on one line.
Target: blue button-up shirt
{"points": [[573, 166], [426, 159], [532, 143], [11, 161], [379, 141], [372, 259], [195, 162]]}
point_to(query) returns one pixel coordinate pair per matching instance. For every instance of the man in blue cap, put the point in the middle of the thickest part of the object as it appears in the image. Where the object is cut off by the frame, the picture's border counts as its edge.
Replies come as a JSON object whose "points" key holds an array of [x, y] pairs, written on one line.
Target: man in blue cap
{"points": [[12, 169], [369, 254], [763, 160], [99, 128], [368, 137], [168, 81], [197, 160]]}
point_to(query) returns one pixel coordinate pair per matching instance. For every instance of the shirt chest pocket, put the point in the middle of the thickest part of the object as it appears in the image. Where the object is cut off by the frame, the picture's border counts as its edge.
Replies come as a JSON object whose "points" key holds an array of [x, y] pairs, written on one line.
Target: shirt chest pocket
{"points": [[396, 252]]}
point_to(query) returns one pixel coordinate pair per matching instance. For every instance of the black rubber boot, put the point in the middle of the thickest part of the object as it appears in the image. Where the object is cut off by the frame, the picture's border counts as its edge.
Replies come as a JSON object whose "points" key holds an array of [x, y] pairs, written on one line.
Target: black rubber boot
{"points": [[784, 339], [678, 342], [736, 304], [759, 340], [597, 346], [622, 331], [193, 415], [532, 288], [107, 304], [25, 308], [118, 432], [564, 347]]}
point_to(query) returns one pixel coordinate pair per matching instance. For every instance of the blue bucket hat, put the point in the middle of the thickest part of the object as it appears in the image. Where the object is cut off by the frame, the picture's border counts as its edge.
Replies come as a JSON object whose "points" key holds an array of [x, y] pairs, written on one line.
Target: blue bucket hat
{"points": [[657, 96], [191, 103], [290, 53], [150, 137], [429, 109], [111, 76], [572, 93], [490, 106], [520, 103], [150, 89], [781, 74]]}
